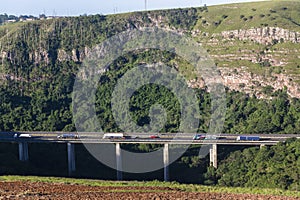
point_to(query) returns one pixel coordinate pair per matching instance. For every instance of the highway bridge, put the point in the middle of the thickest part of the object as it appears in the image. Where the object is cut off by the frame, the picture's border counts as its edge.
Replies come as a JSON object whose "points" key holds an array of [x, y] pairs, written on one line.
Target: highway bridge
{"points": [[145, 138], [165, 139]]}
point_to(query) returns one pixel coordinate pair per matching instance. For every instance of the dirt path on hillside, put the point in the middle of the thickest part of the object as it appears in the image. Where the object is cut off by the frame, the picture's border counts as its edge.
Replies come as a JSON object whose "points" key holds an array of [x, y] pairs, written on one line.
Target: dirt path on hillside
{"points": [[41, 190]]}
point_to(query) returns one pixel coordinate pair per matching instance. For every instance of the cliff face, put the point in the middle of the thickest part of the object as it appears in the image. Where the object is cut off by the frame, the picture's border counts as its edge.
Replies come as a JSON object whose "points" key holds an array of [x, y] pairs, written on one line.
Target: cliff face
{"points": [[238, 78], [257, 61], [241, 78], [265, 35]]}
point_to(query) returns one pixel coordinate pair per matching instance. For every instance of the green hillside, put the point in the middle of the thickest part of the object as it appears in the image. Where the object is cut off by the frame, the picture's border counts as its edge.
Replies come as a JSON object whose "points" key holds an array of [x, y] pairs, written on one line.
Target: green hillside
{"points": [[39, 61], [284, 14]]}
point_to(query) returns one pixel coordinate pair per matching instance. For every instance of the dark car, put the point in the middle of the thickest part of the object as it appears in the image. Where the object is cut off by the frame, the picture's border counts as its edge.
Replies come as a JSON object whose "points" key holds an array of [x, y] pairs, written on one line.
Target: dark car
{"points": [[199, 137], [68, 136]]}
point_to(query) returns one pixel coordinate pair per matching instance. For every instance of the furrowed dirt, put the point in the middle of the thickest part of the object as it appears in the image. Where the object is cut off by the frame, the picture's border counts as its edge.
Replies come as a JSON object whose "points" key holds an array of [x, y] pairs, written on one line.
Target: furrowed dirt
{"points": [[42, 190]]}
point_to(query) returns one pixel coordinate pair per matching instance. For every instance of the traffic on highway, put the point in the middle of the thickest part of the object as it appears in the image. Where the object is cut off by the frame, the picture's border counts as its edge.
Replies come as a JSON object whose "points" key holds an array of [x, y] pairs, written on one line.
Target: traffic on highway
{"points": [[140, 137]]}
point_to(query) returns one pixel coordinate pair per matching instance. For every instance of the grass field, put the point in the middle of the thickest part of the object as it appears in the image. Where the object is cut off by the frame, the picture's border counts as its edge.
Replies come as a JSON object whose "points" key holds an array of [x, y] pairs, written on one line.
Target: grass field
{"points": [[220, 18]]}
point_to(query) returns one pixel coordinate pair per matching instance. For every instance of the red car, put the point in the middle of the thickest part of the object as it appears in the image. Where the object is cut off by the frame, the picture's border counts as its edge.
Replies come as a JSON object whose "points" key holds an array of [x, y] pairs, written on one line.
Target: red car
{"points": [[154, 136]]}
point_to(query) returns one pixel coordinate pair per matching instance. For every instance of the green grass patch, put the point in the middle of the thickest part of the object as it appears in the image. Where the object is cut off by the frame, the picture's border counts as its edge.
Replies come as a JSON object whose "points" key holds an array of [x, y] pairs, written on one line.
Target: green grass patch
{"points": [[283, 14]]}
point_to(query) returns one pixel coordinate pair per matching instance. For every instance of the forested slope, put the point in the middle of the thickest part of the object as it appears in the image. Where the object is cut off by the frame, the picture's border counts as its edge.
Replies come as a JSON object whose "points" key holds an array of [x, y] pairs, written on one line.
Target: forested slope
{"points": [[268, 167]]}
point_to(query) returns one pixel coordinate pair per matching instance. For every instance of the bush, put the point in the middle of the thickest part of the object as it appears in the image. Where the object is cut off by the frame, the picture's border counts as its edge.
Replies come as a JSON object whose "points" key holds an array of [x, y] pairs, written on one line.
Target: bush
{"points": [[224, 16]]}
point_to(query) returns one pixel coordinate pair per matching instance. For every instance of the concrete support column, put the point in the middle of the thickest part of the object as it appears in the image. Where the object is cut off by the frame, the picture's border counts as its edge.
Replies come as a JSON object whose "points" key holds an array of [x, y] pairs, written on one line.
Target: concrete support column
{"points": [[119, 162], [166, 162], [23, 151], [261, 146], [213, 155], [71, 158]]}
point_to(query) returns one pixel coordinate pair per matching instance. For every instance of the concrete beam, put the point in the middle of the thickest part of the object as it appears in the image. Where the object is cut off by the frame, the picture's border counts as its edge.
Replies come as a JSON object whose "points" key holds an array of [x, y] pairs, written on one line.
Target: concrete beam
{"points": [[23, 151], [119, 162], [213, 155], [166, 162], [71, 158], [261, 146]]}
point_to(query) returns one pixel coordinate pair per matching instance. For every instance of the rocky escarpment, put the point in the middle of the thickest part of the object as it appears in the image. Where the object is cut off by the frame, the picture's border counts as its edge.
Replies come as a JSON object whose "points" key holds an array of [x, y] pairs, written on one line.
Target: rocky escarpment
{"points": [[265, 35], [277, 65], [239, 78], [259, 85]]}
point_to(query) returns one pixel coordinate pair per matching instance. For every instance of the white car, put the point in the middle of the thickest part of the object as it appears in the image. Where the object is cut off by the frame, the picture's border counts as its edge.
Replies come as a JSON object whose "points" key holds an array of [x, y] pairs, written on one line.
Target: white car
{"points": [[22, 135]]}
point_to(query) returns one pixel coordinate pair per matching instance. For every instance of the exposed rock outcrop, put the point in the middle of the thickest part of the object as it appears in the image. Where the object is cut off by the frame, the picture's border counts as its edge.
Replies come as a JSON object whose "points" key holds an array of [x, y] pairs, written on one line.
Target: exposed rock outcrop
{"points": [[263, 35], [243, 80]]}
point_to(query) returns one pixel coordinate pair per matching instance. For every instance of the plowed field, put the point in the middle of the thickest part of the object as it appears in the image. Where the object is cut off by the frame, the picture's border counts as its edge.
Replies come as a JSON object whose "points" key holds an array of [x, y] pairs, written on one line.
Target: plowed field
{"points": [[42, 190]]}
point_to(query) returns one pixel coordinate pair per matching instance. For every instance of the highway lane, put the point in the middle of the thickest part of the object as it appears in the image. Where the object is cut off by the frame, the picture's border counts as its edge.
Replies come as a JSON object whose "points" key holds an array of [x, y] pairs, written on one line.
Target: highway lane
{"points": [[166, 135], [181, 138]]}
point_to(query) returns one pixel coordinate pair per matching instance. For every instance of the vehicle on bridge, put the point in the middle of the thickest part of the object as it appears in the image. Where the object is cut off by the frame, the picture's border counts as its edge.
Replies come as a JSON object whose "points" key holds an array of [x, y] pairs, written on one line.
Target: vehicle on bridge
{"points": [[154, 136], [22, 135], [248, 138], [68, 136], [212, 137], [113, 136], [199, 137]]}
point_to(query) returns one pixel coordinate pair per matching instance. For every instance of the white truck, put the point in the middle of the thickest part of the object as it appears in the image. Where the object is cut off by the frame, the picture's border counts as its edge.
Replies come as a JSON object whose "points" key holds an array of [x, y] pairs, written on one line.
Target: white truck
{"points": [[113, 136]]}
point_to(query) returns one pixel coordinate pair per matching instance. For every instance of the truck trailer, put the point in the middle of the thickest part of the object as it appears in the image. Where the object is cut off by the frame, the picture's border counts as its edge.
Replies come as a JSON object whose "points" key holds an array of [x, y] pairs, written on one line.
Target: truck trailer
{"points": [[248, 138], [113, 136]]}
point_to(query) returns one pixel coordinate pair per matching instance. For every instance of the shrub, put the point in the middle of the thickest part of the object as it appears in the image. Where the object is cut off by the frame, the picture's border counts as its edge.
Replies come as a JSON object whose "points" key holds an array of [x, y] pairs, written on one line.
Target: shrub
{"points": [[267, 89], [224, 16], [217, 23], [266, 63], [281, 40], [242, 85], [274, 41]]}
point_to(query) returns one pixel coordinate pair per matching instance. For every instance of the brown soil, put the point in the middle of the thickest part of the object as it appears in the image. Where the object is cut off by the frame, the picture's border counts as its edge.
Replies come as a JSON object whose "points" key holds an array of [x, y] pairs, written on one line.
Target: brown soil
{"points": [[39, 190]]}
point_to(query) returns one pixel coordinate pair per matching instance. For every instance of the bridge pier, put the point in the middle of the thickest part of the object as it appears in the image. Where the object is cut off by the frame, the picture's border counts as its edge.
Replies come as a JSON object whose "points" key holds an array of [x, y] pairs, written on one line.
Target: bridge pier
{"points": [[71, 158], [166, 162], [23, 151], [213, 155], [261, 146], [119, 162]]}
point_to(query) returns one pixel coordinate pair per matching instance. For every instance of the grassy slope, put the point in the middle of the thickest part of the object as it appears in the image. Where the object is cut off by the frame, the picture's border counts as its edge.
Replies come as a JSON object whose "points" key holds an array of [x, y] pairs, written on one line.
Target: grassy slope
{"points": [[183, 187], [285, 14], [276, 13]]}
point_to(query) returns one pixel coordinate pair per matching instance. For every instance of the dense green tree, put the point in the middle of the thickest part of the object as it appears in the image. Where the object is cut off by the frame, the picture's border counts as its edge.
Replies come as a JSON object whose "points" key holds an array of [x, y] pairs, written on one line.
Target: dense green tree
{"points": [[268, 167]]}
